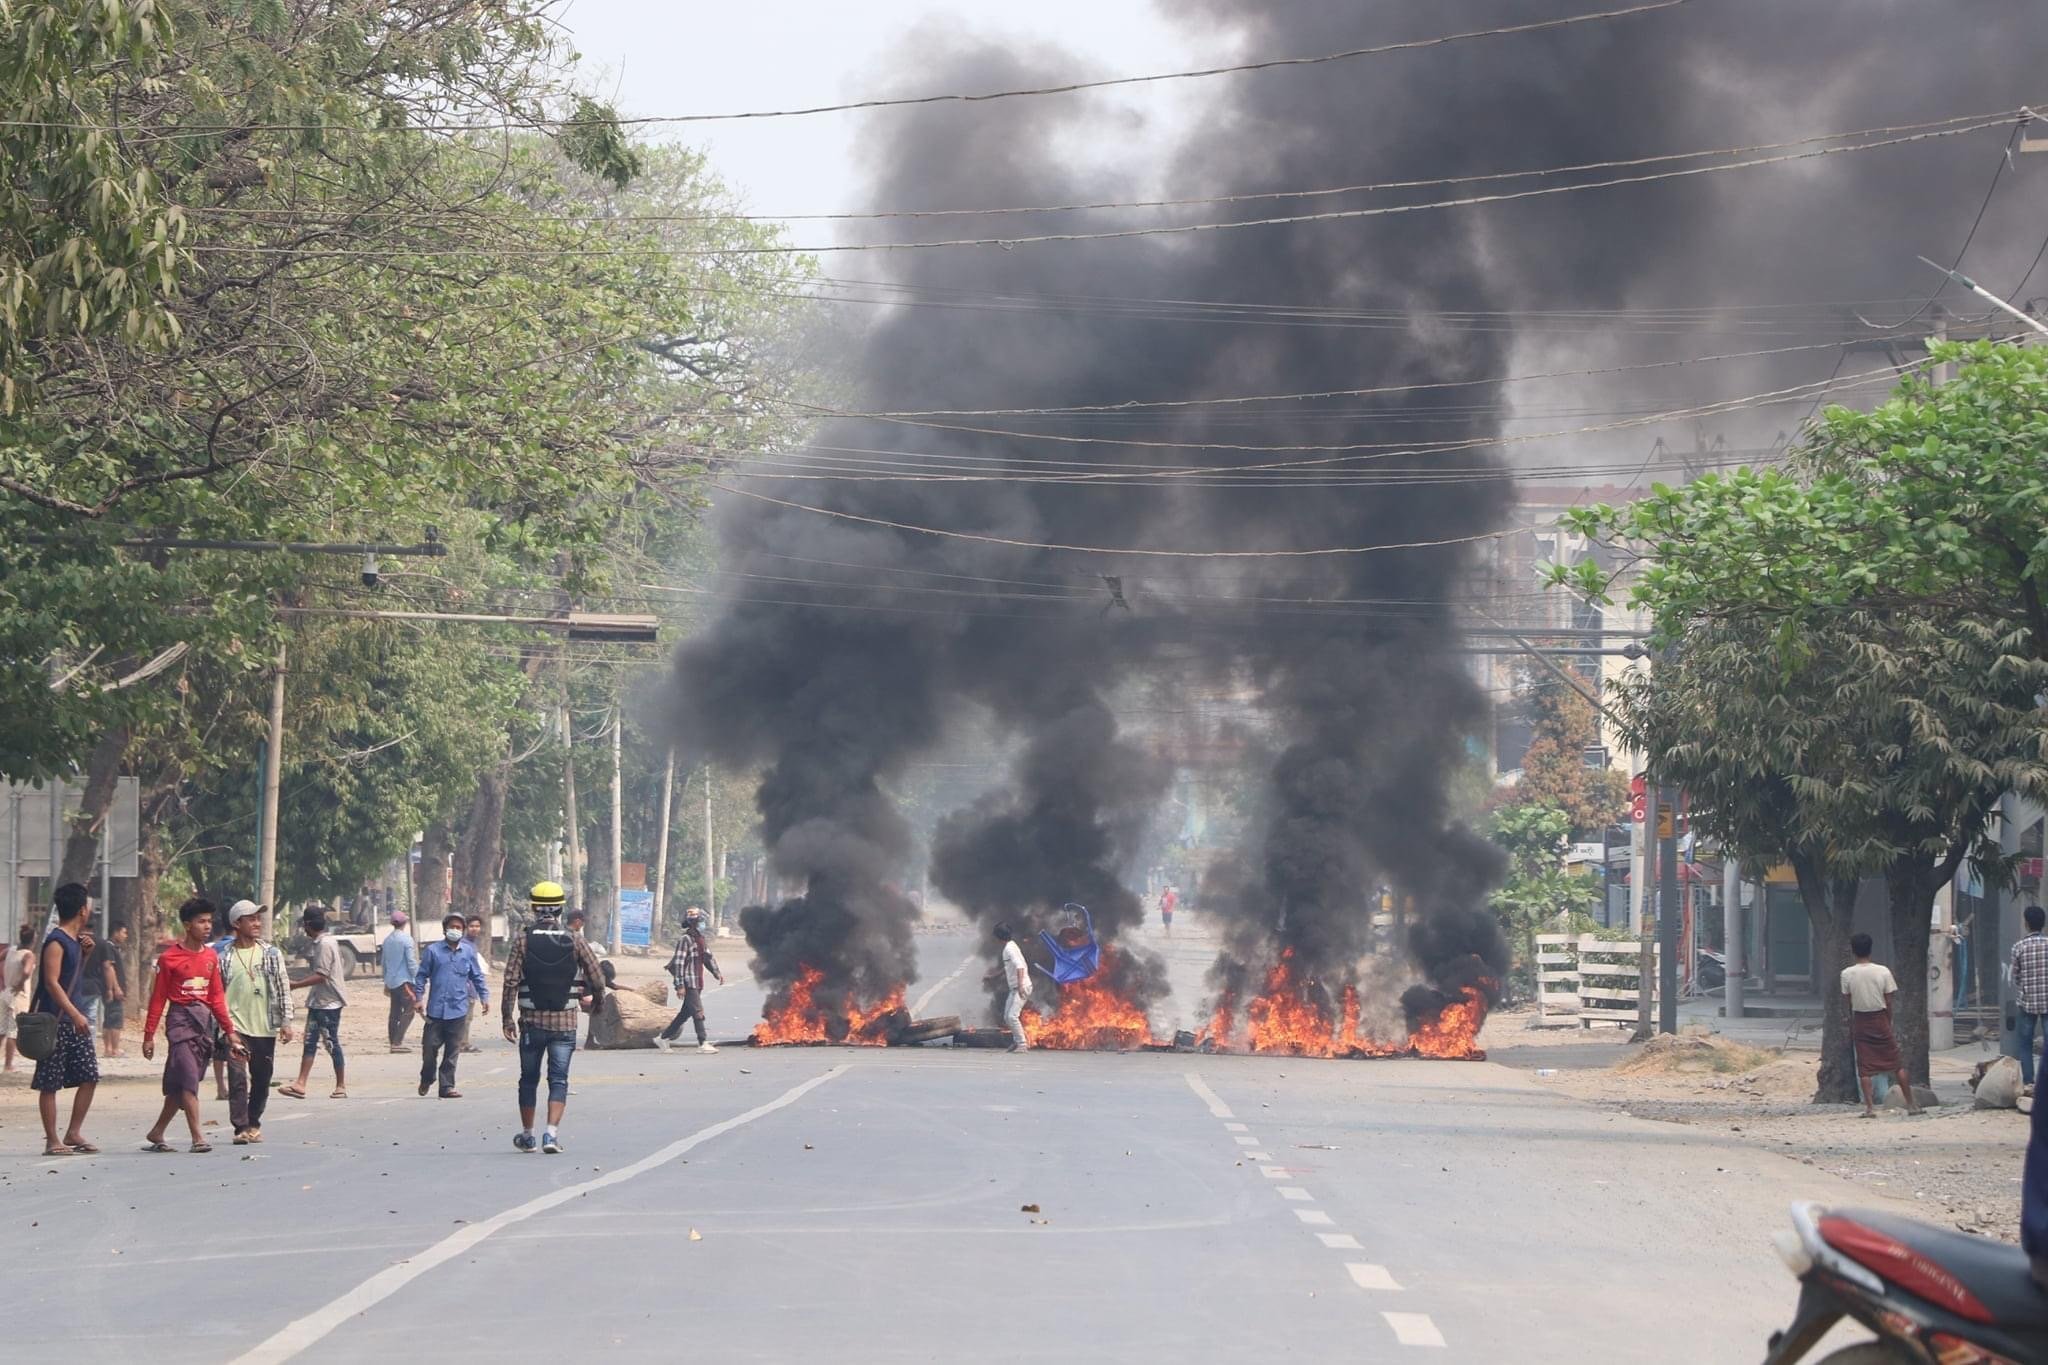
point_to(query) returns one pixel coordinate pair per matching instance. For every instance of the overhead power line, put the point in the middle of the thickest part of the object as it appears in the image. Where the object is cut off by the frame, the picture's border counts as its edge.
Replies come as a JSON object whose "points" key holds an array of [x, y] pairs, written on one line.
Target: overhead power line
{"points": [[981, 97]]}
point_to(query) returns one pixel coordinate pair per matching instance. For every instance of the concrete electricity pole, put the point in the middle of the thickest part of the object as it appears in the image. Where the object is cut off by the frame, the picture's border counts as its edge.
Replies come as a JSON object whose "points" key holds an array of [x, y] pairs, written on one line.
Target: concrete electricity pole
{"points": [[710, 883], [273, 768], [618, 841], [1731, 922], [1668, 915], [574, 840], [668, 797]]}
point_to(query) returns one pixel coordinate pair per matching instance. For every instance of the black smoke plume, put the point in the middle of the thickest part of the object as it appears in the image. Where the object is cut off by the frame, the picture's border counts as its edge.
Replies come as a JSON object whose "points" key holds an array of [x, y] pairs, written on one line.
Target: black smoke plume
{"points": [[845, 649]]}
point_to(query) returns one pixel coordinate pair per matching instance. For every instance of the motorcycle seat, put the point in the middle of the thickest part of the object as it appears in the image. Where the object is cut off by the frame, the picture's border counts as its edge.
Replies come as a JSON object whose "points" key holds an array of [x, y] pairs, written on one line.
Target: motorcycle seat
{"points": [[1995, 1272]]}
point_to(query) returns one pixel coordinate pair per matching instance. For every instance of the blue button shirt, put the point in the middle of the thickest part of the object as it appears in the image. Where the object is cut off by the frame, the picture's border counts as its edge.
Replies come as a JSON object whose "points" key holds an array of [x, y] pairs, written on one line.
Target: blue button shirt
{"points": [[400, 956], [449, 976]]}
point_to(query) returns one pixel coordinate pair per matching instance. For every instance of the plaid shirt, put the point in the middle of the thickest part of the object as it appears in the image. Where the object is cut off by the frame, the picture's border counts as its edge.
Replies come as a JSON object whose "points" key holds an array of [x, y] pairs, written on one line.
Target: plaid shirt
{"points": [[512, 997], [2030, 973], [271, 964], [692, 958]]}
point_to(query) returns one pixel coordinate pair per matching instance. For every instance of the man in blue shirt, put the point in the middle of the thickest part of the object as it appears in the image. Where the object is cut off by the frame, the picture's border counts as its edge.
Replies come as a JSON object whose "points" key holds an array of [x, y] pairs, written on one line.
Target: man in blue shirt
{"points": [[450, 976], [400, 957]]}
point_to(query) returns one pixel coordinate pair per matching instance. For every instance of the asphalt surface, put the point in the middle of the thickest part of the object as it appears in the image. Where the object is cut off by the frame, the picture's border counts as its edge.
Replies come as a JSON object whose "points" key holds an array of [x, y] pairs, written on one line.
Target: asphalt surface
{"points": [[871, 1205]]}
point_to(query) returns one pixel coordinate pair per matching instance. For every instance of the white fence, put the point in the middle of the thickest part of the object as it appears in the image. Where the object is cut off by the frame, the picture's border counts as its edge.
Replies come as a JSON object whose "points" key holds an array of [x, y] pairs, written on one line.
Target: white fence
{"points": [[1590, 981]]}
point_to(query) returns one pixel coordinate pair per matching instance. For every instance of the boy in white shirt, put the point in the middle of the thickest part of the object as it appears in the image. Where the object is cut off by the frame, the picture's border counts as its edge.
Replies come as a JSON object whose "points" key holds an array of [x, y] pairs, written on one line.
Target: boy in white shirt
{"points": [[1870, 987], [1017, 976]]}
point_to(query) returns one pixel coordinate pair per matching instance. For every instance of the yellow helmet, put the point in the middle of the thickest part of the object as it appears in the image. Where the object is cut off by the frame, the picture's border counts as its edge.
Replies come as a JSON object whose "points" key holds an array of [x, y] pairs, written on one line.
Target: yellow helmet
{"points": [[548, 894]]}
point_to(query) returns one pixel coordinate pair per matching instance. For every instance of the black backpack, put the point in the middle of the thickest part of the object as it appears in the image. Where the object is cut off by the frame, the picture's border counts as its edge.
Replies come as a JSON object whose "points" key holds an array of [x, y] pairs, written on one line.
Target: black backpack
{"points": [[551, 968]]}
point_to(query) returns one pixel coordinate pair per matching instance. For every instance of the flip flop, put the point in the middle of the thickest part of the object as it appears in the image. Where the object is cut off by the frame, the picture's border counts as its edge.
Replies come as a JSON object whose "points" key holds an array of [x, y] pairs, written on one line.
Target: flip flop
{"points": [[156, 1146], [58, 1149], [291, 1092], [85, 1148], [199, 1147], [339, 1094]]}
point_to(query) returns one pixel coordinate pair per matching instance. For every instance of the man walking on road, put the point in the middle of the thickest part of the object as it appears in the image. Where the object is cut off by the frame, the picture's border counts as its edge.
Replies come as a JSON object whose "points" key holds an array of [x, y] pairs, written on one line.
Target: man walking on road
{"points": [[188, 999], [2028, 970], [450, 976], [551, 971], [260, 1007], [474, 932], [71, 1065], [1016, 976], [110, 965], [1870, 987], [400, 957], [325, 1001], [692, 959]]}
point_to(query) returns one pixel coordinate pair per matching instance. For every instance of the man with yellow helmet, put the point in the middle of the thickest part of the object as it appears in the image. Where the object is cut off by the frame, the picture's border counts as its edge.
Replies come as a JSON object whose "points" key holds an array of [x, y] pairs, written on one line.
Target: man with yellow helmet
{"points": [[550, 975]]}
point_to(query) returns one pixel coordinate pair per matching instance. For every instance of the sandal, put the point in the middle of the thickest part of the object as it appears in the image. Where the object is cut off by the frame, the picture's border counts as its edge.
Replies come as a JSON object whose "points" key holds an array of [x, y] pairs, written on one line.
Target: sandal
{"points": [[339, 1094], [291, 1092], [156, 1146], [58, 1149], [82, 1147], [254, 1135], [241, 1139], [199, 1147]]}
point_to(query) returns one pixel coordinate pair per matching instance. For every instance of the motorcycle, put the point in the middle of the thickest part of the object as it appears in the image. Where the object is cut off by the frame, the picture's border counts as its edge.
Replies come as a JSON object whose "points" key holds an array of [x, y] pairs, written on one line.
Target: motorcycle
{"points": [[1713, 969], [1933, 1297]]}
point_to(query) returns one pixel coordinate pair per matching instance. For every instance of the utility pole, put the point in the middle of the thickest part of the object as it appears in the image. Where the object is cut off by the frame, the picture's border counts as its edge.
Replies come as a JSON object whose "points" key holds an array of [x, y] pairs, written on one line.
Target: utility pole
{"points": [[1668, 915], [710, 883], [668, 796], [1639, 888], [1731, 921], [574, 841], [273, 767], [618, 840]]}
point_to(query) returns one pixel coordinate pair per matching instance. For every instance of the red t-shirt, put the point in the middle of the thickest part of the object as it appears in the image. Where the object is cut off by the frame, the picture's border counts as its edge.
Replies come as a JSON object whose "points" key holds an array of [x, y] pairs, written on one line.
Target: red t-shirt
{"points": [[187, 976]]}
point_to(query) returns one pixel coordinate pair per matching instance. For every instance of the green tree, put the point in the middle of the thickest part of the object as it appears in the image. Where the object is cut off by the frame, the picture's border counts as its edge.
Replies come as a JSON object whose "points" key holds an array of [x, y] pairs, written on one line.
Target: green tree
{"points": [[1540, 890]]}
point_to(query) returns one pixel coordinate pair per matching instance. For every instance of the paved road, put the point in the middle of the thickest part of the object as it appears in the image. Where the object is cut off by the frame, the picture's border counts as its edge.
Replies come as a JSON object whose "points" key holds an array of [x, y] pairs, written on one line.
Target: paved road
{"points": [[869, 1206]]}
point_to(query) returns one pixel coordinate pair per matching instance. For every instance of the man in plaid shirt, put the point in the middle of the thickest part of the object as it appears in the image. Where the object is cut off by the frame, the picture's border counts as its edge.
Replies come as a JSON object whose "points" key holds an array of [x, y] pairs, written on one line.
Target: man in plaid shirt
{"points": [[687, 968], [551, 975], [2028, 970]]}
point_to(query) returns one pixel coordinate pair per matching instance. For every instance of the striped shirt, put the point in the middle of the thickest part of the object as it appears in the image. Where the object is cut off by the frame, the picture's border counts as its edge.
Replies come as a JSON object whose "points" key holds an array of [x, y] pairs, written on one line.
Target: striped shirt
{"points": [[2030, 973], [277, 991]]}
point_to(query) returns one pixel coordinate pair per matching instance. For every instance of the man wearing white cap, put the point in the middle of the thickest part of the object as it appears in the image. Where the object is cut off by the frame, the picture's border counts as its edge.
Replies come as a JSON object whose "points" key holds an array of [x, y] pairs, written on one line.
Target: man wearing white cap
{"points": [[260, 1006]]}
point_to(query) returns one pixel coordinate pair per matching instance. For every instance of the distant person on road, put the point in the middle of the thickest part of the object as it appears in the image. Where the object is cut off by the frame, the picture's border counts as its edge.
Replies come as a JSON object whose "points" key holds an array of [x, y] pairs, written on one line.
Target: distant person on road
{"points": [[260, 1006], [325, 1000], [400, 957], [578, 923], [187, 998], [71, 1065], [2028, 972], [450, 978], [1870, 987], [550, 973], [17, 985], [110, 965], [1168, 899], [474, 932], [1017, 977], [686, 968]]}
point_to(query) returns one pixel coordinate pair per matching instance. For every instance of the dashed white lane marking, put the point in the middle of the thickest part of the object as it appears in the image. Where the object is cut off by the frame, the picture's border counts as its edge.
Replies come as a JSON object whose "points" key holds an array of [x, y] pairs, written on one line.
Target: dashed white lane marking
{"points": [[1202, 1091], [1297, 1193], [1339, 1241], [1275, 1172], [1414, 1329], [917, 1006], [1245, 1140], [1314, 1217], [1371, 1276], [1237, 1128], [1258, 1156], [315, 1326]]}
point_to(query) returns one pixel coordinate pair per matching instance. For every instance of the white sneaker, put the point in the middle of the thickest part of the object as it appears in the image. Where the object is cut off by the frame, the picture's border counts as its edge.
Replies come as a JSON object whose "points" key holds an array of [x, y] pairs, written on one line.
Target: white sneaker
{"points": [[662, 1043], [707, 1047]]}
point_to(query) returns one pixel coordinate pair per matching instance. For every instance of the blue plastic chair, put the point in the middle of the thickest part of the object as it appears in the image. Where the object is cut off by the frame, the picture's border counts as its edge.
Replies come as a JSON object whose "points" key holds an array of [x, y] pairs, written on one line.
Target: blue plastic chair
{"points": [[1079, 962]]}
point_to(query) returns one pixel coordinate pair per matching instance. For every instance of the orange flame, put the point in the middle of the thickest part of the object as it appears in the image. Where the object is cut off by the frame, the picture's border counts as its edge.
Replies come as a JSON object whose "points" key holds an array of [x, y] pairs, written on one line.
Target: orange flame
{"points": [[1092, 1016], [800, 1018], [1289, 1017]]}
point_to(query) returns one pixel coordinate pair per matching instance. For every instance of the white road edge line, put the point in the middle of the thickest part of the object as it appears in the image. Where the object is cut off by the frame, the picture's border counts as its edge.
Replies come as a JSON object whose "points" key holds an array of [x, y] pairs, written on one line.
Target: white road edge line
{"points": [[1203, 1093], [308, 1331], [917, 1006], [1414, 1329], [1371, 1276]]}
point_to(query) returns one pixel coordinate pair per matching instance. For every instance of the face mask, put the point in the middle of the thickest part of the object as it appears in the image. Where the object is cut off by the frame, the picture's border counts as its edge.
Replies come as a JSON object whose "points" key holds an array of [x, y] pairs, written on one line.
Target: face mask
{"points": [[453, 935]]}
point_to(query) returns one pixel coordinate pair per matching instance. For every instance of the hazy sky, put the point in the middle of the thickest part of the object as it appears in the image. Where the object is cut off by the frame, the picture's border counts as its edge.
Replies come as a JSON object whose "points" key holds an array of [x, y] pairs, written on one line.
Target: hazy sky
{"points": [[694, 56]]}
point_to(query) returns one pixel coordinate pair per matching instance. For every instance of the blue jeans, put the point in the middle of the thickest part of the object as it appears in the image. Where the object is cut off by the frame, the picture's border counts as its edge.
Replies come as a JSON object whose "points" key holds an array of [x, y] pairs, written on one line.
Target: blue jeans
{"points": [[2031, 1028], [558, 1047], [324, 1024]]}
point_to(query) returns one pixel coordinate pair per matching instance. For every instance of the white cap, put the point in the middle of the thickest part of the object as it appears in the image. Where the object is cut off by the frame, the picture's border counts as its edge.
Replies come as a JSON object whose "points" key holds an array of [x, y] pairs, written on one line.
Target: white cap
{"points": [[242, 910]]}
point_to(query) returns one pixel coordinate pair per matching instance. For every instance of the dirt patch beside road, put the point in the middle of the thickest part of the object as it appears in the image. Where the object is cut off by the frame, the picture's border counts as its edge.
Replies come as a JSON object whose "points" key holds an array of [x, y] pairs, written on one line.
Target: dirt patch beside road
{"points": [[1960, 1165]]}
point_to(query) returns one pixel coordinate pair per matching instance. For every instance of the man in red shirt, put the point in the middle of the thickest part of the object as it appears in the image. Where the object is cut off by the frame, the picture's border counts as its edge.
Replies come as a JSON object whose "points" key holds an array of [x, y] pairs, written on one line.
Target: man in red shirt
{"points": [[188, 998]]}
